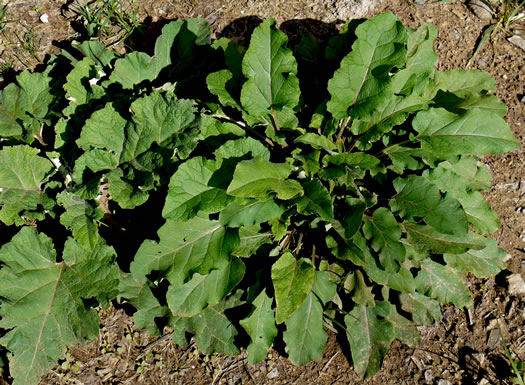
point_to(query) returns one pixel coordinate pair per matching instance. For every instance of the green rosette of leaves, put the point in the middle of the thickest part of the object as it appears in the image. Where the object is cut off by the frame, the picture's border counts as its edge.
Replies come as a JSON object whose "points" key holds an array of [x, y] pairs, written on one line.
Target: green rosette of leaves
{"points": [[292, 189]]}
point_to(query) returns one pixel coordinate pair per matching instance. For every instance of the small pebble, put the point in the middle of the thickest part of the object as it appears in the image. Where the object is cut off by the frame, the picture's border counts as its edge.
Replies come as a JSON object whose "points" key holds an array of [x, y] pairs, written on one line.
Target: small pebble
{"points": [[273, 374], [44, 18], [429, 377], [481, 9], [494, 338], [517, 41], [444, 382], [516, 284]]}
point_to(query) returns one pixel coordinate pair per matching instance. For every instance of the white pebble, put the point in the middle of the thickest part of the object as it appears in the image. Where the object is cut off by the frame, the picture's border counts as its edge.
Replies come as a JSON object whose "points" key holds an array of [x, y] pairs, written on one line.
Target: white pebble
{"points": [[44, 18]]}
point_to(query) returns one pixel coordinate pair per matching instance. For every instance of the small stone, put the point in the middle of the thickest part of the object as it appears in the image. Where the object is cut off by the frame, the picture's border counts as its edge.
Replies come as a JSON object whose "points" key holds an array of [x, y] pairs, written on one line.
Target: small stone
{"points": [[516, 284], [44, 18], [517, 41], [429, 378], [481, 8], [262, 368], [273, 373], [493, 339], [493, 324], [444, 382]]}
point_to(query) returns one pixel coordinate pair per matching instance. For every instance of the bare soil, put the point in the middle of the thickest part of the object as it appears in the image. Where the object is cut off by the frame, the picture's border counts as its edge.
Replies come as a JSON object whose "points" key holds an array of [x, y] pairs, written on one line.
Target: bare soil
{"points": [[465, 348]]}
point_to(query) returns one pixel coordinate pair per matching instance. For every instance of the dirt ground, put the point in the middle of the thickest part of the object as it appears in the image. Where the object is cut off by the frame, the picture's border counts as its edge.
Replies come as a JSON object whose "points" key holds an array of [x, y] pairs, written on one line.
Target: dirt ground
{"points": [[465, 348]]}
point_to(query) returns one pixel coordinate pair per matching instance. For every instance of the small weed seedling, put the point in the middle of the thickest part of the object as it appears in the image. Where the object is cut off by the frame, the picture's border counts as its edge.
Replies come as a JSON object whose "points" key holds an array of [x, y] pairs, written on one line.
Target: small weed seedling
{"points": [[108, 20], [3, 17], [518, 367], [508, 13]]}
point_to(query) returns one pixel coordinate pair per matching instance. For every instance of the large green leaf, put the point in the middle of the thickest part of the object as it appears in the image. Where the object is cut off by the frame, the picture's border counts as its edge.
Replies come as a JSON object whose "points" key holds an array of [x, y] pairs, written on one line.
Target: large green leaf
{"points": [[218, 84], [175, 42], [270, 69], [443, 283], [461, 82], [24, 105], [420, 61], [318, 142], [134, 68], [121, 190], [110, 140], [79, 88], [81, 218], [404, 329], [484, 263], [424, 310], [43, 303], [226, 84], [200, 291], [96, 51], [349, 225], [316, 199], [251, 238], [305, 336], [356, 286], [417, 197], [352, 159], [256, 178], [260, 326], [22, 173], [157, 117], [394, 111], [370, 335], [240, 148], [402, 281], [250, 213], [213, 331], [425, 238], [214, 127], [138, 293], [191, 190], [462, 180], [292, 280], [105, 129], [185, 248], [362, 81], [385, 234], [475, 132]]}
